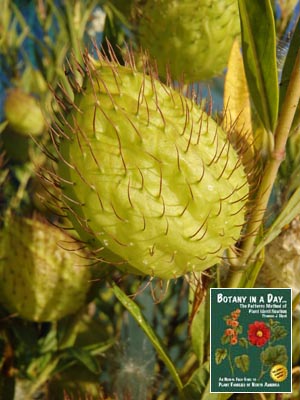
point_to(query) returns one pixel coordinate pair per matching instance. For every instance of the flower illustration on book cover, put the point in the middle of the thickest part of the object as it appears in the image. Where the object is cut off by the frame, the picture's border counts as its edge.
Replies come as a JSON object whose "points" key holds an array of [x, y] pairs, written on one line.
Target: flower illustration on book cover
{"points": [[260, 334]]}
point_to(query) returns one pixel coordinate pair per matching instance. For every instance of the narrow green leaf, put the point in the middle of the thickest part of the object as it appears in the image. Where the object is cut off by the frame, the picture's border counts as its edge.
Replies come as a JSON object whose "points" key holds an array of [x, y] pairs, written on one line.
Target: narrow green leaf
{"points": [[289, 62], [259, 54], [3, 125], [48, 343], [137, 314], [85, 358], [287, 70], [199, 326], [68, 358], [198, 386], [38, 365], [250, 276], [214, 396], [287, 214], [238, 119], [199, 332], [99, 348], [197, 383]]}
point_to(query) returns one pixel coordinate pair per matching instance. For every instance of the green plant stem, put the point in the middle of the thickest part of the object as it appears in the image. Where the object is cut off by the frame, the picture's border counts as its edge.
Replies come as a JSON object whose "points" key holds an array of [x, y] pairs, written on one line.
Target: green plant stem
{"points": [[234, 278], [73, 29], [16, 200], [75, 38], [230, 362], [43, 377], [188, 367], [269, 175]]}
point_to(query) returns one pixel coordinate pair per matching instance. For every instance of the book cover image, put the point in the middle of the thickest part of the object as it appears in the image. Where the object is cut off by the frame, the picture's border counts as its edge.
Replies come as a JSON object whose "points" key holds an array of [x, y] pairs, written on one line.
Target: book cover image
{"points": [[250, 340]]}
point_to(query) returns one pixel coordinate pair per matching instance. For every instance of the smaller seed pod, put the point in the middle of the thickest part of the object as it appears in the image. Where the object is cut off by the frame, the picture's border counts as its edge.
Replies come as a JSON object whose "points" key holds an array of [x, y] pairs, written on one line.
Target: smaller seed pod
{"points": [[281, 267], [191, 39], [23, 113], [43, 276], [147, 177]]}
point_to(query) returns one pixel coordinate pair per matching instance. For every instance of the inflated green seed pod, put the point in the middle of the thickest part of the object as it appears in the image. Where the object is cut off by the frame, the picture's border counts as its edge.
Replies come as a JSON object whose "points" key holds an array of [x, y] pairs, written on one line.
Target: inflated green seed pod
{"points": [[43, 275], [23, 113], [147, 177], [189, 38]]}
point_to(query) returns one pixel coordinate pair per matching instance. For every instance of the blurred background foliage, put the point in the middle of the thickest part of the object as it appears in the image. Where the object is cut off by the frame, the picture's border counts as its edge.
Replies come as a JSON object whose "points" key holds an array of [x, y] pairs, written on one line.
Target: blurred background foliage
{"points": [[99, 352]]}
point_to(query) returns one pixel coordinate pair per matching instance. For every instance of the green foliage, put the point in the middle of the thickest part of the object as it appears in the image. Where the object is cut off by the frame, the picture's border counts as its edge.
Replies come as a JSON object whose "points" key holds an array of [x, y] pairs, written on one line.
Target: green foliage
{"points": [[259, 52], [242, 362], [199, 325], [220, 355], [289, 62], [274, 355], [156, 342]]}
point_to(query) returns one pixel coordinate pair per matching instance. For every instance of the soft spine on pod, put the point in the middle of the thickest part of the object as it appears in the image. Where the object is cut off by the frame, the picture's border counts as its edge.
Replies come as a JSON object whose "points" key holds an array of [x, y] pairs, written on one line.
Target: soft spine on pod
{"points": [[148, 178]]}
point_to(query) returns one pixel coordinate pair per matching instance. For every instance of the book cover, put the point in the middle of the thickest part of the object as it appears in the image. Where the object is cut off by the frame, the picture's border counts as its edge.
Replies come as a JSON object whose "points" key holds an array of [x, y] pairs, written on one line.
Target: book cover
{"points": [[251, 340]]}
